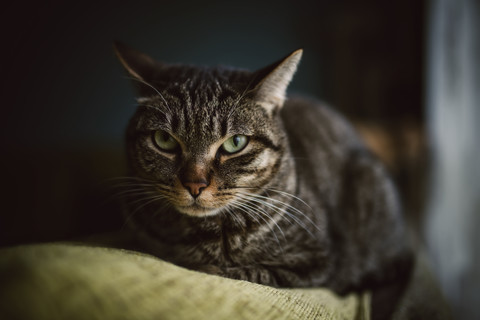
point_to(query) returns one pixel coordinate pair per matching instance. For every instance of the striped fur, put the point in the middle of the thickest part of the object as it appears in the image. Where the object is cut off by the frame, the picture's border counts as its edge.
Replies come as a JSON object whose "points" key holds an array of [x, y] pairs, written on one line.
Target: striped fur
{"points": [[303, 204]]}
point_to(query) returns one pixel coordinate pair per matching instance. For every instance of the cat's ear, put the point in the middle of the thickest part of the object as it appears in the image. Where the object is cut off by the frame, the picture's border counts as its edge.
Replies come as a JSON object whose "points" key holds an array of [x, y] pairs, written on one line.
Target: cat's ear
{"points": [[273, 80], [137, 64]]}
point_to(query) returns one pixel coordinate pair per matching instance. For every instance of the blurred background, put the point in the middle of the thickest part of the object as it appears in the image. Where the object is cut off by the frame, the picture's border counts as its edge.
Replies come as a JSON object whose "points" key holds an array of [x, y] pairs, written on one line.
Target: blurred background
{"points": [[405, 72]]}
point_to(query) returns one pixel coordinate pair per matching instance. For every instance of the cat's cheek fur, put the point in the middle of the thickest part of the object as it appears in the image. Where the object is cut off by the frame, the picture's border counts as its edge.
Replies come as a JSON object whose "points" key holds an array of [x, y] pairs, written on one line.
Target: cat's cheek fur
{"points": [[259, 171]]}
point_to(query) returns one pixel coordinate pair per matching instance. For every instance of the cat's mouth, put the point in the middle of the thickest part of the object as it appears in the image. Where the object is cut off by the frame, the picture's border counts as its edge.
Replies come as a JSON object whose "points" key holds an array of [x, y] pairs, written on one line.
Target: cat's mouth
{"points": [[198, 210]]}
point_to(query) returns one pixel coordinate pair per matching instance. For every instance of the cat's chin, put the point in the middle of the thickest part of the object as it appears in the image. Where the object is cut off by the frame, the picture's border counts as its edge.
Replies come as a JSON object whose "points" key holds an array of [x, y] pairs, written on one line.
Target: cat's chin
{"points": [[198, 211]]}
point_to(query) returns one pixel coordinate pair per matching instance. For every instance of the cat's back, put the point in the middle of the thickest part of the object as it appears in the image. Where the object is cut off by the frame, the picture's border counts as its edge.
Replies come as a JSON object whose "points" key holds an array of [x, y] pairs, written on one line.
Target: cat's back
{"points": [[321, 140], [318, 128], [346, 184]]}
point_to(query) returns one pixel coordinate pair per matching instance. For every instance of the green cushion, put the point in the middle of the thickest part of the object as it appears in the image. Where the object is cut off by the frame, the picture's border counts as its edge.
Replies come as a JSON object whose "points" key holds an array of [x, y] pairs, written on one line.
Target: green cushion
{"points": [[68, 281]]}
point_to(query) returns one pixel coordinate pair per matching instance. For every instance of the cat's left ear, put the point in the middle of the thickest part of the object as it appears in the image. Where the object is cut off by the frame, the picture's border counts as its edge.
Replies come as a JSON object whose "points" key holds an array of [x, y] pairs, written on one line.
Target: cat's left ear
{"points": [[273, 81], [138, 65]]}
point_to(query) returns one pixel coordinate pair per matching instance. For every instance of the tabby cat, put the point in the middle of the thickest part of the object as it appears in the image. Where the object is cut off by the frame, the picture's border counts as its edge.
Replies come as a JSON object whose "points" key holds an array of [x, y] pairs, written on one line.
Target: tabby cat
{"points": [[230, 177]]}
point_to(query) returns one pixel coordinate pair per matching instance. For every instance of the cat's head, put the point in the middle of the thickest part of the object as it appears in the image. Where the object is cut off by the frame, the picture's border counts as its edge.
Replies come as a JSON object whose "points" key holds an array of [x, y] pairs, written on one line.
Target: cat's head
{"points": [[207, 137]]}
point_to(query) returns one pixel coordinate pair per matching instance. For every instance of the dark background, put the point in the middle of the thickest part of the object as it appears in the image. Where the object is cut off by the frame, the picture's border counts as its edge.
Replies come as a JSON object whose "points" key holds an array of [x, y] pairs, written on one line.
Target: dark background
{"points": [[65, 99]]}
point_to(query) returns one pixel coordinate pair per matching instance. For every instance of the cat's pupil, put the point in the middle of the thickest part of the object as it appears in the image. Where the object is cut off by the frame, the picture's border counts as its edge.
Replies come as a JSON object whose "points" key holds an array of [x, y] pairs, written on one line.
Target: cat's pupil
{"points": [[236, 140], [165, 136]]}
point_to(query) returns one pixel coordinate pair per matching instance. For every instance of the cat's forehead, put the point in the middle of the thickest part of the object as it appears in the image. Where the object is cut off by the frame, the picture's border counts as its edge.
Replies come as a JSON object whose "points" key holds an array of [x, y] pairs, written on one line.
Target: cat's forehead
{"points": [[200, 114], [196, 78], [199, 89], [200, 110]]}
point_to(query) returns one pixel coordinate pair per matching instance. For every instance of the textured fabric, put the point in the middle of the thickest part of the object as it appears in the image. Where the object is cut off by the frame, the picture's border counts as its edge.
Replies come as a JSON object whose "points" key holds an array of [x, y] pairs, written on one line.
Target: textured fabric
{"points": [[65, 281]]}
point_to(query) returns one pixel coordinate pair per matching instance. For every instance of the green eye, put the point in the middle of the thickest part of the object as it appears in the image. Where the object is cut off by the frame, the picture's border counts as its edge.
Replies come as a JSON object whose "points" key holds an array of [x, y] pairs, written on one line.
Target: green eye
{"points": [[235, 143], [164, 141]]}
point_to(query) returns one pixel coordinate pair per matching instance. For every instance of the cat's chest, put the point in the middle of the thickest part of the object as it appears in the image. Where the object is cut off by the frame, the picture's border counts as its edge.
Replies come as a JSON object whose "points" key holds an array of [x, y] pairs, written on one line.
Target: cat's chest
{"points": [[219, 247]]}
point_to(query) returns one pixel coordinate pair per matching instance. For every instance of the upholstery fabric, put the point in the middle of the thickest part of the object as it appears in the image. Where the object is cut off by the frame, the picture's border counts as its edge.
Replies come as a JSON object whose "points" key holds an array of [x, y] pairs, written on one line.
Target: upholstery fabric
{"points": [[71, 281]]}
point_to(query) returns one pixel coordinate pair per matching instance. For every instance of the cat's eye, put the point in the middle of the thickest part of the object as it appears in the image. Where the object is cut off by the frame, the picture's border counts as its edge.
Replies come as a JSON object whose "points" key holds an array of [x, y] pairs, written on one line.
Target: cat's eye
{"points": [[164, 141], [235, 143]]}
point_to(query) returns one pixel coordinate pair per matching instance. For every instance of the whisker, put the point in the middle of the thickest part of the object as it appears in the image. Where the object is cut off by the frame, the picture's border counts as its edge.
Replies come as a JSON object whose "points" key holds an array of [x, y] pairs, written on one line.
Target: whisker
{"points": [[263, 212], [148, 200], [127, 178], [164, 205], [244, 93], [280, 192], [132, 186], [140, 186], [155, 89], [290, 196], [286, 204], [147, 196], [134, 183], [261, 200], [251, 213], [156, 108], [127, 193], [234, 216]]}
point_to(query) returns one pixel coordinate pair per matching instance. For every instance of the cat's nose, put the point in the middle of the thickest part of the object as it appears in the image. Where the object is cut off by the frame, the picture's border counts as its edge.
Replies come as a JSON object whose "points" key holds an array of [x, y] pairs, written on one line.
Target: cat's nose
{"points": [[195, 188]]}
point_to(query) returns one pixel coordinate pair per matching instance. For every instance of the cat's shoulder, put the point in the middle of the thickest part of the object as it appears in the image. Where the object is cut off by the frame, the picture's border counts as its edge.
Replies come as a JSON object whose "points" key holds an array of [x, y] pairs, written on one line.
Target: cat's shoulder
{"points": [[307, 114], [311, 109], [303, 103]]}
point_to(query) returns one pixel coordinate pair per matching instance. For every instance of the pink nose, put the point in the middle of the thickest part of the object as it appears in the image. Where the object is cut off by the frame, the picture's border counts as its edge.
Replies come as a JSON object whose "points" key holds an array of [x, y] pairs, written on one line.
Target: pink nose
{"points": [[195, 188]]}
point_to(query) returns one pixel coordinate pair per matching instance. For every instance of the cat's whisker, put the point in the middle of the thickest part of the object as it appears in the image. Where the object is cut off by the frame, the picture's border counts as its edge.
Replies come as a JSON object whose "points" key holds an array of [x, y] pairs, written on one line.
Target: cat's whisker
{"points": [[138, 192], [127, 178], [251, 212], [156, 108], [234, 216], [285, 210], [299, 212], [139, 186], [284, 193], [163, 206], [288, 205], [129, 191], [146, 196], [237, 102], [132, 184], [262, 212], [148, 200], [280, 210], [290, 196], [155, 89], [266, 199], [261, 202], [126, 183]]}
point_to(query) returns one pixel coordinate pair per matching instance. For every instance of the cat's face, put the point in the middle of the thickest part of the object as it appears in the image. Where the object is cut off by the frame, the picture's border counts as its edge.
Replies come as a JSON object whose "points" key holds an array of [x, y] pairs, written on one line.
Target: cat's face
{"points": [[202, 156], [204, 138]]}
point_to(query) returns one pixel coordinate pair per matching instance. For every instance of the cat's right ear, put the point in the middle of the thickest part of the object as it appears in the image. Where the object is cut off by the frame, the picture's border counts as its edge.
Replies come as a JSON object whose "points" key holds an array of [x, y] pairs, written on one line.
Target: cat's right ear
{"points": [[138, 65], [273, 81]]}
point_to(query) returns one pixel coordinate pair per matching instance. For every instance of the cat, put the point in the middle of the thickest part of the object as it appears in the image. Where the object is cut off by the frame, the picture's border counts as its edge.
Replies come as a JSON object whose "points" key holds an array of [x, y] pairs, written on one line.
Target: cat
{"points": [[229, 176]]}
